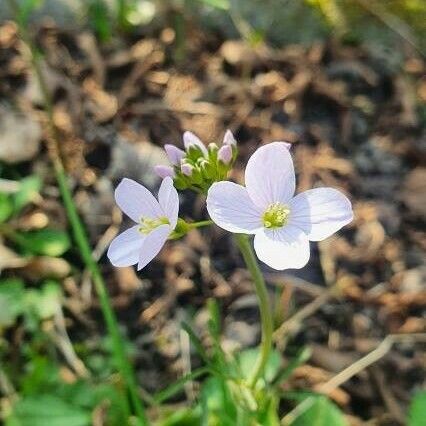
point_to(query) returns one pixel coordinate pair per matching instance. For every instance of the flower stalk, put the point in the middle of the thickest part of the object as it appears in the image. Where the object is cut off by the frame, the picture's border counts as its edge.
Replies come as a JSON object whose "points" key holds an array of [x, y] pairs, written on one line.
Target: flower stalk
{"points": [[267, 325], [77, 227]]}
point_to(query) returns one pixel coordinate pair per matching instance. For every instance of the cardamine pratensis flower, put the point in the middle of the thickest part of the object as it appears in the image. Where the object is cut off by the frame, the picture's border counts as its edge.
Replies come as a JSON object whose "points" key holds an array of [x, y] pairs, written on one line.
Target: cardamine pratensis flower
{"points": [[154, 222], [282, 224]]}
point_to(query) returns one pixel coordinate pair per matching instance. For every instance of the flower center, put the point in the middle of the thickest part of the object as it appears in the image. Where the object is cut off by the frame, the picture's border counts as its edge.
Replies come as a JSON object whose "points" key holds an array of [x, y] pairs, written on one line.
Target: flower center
{"points": [[276, 215], [148, 224]]}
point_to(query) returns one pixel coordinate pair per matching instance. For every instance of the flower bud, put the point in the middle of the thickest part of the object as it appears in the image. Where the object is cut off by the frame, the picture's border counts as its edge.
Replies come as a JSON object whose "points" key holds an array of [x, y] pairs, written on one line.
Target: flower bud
{"points": [[225, 154], [164, 171], [174, 154], [187, 169], [193, 144], [229, 139]]}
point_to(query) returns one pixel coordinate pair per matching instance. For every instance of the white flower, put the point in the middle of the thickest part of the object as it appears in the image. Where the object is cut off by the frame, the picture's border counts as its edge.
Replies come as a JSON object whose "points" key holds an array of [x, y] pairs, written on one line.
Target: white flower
{"points": [[155, 220], [283, 224]]}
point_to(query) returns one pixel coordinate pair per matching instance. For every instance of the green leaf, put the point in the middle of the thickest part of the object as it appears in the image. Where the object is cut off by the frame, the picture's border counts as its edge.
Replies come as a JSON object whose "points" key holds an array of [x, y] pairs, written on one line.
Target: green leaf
{"points": [[43, 410], [6, 207], [184, 417], [47, 242], [320, 412], [218, 4], [45, 302], [248, 358], [417, 410], [216, 404], [11, 301], [29, 188]]}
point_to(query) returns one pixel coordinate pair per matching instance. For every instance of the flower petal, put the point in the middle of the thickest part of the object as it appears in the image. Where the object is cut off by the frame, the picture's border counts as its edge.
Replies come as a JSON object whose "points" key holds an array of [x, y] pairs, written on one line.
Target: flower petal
{"points": [[270, 175], [169, 201], [320, 212], [189, 139], [283, 248], [231, 208], [125, 248], [153, 243], [136, 201], [174, 154]]}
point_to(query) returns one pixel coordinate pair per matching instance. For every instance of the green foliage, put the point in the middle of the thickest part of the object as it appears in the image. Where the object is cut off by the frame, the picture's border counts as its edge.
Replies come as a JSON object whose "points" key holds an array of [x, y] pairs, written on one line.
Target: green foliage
{"points": [[48, 242], [219, 4], [33, 304], [6, 207], [100, 19], [29, 188], [11, 301], [320, 412], [417, 410], [42, 410]]}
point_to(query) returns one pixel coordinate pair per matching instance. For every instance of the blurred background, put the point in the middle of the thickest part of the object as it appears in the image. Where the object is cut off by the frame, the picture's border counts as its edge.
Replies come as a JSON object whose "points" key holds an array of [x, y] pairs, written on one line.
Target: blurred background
{"points": [[342, 80]]}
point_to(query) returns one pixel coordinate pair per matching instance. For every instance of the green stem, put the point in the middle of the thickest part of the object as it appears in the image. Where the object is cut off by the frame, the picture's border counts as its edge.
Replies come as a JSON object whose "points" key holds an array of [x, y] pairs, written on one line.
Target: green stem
{"points": [[80, 235], [246, 249], [200, 224]]}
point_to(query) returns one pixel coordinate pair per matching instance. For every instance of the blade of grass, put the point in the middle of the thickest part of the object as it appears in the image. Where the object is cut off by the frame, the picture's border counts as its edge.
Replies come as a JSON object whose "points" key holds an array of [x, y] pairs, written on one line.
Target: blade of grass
{"points": [[177, 386], [77, 227]]}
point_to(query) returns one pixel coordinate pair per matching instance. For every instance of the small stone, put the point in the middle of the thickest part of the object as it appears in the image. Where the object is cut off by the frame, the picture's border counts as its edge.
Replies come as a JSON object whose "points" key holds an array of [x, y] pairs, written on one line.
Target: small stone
{"points": [[20, 136]]}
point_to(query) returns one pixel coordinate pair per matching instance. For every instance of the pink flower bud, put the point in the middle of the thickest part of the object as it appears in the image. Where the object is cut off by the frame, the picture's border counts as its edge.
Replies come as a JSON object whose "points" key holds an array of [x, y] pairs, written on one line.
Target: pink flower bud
{"points": [[187, 169], [229, 139], [164, 171], [225, 154], [174, 154]]}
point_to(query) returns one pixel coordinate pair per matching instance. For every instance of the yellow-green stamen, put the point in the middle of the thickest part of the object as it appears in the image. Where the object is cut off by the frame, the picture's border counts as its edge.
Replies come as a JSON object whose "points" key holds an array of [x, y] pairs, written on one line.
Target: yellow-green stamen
{"points": [[148, 224], [276, 215]]}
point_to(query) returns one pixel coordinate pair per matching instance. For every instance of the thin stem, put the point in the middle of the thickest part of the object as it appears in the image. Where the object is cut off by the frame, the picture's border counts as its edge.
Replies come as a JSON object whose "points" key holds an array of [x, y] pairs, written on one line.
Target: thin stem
{"points": [[265, 311], [200, 224], [79, 232]]}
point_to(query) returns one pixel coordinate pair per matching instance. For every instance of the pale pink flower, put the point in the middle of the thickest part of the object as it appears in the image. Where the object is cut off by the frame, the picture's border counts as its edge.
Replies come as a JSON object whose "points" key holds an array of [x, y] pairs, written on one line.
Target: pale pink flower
{"points": [[154, 222], [282, 224]]}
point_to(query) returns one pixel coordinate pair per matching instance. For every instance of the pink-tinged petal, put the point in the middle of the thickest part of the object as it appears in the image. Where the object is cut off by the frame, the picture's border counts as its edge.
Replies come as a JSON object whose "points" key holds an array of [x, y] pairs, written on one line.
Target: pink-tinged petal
{"points": [[174, 154], [229, 139], [153, 243], [225, 154], [287, 145], [164, 171], [136, 201], [270, 175], [169, 201], [187, 169], [231, 208], [125, 248], [320, 212], [189, 139], [283, 248]]}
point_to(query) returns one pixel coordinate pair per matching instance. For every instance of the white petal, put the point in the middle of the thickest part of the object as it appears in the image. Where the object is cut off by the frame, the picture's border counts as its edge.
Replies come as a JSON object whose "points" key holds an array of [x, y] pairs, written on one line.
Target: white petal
{"points": [[152, 245], [169, 201], [189, 139], [270, 175], [231, 208], [283, 248], [320, 212], [125, 248], [136, 201]]}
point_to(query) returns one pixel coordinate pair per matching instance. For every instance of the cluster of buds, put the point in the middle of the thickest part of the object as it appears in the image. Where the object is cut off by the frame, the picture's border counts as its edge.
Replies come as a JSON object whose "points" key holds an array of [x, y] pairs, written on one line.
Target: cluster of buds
{"points": [[198, 167]]}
